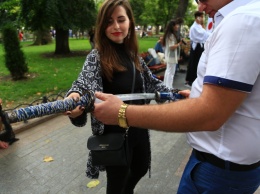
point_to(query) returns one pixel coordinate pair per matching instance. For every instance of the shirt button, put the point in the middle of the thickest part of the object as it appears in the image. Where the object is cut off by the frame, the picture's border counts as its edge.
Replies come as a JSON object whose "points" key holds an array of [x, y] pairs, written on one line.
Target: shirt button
{"points": [[219, 81]]}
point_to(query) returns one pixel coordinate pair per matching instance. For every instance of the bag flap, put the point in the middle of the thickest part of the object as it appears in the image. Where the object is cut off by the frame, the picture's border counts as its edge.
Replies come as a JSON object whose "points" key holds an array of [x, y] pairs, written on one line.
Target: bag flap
{"points": [[111, 141]]}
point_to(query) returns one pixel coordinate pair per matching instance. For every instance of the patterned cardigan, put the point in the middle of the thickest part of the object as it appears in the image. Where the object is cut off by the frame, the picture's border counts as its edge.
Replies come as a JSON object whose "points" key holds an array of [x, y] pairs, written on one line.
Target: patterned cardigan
{"points": [[90, 79]]}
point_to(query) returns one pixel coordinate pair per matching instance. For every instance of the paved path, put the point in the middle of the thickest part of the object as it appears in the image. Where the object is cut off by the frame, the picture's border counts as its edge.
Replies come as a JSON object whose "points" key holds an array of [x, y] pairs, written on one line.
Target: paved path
{"points": [[23, 171]]}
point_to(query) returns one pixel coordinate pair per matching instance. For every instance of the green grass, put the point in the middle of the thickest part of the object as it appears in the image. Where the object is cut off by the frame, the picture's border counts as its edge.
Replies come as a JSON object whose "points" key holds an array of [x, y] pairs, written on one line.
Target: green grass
{"points": [[49, 75]]}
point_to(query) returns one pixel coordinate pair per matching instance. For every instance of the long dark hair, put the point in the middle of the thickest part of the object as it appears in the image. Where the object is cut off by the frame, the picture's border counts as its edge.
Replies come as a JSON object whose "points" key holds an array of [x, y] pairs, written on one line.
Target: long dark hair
{"points": [[169, 31], [108, 56]]}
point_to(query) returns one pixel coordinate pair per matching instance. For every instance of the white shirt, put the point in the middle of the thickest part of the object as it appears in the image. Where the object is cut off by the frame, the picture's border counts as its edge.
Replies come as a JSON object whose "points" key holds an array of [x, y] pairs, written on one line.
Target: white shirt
{"points": [[171, 56], [231, 59], [198, 34], [224, 11]]}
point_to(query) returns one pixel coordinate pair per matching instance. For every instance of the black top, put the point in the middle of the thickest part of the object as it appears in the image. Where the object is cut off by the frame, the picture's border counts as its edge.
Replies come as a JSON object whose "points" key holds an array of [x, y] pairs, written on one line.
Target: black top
{"points": [[122, 81]]}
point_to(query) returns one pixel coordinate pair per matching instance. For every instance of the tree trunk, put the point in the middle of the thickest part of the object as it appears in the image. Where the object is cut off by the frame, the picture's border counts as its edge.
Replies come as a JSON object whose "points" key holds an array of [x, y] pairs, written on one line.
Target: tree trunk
{"points": [[62, 42], [42, 37], [182, 8], [157, 29]]}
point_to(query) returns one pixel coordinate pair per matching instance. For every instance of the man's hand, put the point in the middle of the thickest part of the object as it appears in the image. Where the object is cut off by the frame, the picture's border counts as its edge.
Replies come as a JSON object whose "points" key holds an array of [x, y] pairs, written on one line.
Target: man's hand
{"points": [[107, 110], [185, 93]]}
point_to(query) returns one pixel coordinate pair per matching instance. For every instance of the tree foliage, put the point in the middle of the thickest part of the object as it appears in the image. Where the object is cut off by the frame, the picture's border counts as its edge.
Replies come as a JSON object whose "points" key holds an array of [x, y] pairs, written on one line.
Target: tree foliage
{"points": [[33, 13], [138, 8], [9, 11], [159, 12], [182, 8], [67, 14], [62, 15], [14, 56]]}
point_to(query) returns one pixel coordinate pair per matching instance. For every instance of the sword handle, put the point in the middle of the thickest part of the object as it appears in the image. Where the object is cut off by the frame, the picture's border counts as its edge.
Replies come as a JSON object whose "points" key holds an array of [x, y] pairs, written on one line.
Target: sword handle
{"points": [[173, 96], [58, 106]]}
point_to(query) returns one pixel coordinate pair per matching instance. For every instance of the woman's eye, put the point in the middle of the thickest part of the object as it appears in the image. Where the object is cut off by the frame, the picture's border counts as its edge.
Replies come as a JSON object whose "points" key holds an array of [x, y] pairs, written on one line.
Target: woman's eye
{"points": [[110, 21], [121, 21]]}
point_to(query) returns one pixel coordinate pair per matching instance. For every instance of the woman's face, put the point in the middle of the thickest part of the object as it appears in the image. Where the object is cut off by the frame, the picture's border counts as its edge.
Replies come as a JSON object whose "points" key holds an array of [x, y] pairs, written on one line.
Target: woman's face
{"points": [[118, 25]]}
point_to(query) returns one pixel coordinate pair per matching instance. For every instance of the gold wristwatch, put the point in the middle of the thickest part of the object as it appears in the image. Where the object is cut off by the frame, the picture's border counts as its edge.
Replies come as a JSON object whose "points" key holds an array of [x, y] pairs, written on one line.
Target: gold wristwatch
{"points": [[122, 122]]}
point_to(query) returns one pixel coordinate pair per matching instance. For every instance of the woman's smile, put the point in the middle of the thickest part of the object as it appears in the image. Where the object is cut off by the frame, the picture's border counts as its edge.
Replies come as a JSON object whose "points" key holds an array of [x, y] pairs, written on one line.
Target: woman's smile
{"points": [[116, 33]]}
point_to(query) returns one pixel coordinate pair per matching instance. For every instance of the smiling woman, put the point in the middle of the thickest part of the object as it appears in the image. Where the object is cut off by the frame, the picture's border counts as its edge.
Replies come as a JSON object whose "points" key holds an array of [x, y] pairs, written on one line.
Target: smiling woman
{"points": [[114, 67], [118, 25]]}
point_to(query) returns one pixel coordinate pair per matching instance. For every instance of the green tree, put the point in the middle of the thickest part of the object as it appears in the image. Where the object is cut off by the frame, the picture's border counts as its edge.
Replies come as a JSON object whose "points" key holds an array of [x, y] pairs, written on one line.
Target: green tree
{"points": [[62, 15], [182, 8], [156, 12], [14, 56], [9, 11], [67, 14], [33, 13], [189, 14], [138, 8], [159, 12]]}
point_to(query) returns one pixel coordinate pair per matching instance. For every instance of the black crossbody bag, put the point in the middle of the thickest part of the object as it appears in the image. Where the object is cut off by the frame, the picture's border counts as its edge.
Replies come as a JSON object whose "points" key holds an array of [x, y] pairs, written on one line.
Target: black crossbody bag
{"points": [[110, 149]]}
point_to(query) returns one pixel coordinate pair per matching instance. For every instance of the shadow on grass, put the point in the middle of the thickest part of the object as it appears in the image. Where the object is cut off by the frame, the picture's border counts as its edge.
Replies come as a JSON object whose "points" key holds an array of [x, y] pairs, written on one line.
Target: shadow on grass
{"points": [[79, 53]]}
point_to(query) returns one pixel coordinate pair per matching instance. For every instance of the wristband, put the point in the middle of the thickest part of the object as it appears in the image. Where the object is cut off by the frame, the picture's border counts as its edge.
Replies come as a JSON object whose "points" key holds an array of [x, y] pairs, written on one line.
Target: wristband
{"points": [[122, 122]]}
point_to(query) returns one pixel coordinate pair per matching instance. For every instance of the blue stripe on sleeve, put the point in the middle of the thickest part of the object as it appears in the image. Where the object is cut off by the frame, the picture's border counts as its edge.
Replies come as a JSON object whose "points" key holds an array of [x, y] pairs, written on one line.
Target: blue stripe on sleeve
{"points": [[228, 83]]}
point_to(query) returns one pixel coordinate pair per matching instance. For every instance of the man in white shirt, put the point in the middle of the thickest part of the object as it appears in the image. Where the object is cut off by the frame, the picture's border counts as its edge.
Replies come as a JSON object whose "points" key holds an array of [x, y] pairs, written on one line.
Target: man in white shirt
{"points": [[198, 36], [222, 114]]}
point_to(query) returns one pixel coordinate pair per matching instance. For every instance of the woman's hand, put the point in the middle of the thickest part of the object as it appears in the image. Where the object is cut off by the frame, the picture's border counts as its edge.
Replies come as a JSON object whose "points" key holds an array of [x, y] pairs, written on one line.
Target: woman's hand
{"points": [[78, 110]]}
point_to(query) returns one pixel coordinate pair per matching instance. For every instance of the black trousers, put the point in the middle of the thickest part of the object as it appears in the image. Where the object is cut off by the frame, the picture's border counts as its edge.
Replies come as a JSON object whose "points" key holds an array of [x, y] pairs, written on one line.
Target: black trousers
{"points": [[193, 63], [123, 179]]}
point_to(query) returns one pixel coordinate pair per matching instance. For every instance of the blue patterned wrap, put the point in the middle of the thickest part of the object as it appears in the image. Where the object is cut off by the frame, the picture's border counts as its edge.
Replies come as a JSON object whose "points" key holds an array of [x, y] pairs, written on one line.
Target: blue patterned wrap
{"points": [[49, 108]]}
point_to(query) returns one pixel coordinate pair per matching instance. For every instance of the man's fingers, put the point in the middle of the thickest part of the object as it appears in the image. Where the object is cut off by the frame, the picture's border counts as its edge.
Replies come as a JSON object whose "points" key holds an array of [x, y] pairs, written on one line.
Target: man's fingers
{"points": [[185, 93], [102, 96]]}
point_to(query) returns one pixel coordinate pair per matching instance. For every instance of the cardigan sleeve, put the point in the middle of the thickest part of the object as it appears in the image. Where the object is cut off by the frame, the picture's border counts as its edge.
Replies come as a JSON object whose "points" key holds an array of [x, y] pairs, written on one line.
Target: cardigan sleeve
{"points": [[89, 79]]}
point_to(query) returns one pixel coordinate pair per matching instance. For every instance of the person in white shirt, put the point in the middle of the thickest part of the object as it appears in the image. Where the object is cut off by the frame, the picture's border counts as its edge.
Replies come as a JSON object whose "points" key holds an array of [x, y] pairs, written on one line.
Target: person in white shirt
{"points": [[172, 47], [198, 36], [222, 114]]}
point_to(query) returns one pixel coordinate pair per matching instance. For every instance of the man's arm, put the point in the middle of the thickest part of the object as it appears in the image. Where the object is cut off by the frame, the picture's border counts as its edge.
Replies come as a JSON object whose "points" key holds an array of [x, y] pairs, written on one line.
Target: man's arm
{"points": [[205, 113]]}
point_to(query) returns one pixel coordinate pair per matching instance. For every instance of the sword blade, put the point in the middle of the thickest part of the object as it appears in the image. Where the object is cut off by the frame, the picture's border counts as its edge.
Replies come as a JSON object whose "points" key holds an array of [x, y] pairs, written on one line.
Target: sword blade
{"points": [[135, 96]]}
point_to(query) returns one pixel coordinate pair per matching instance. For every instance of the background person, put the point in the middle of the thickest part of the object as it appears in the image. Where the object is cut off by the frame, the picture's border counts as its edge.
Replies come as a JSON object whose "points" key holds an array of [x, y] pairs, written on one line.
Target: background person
{"points": [[158, 46], [221, 116], [110, 68], [91, 34], [20, 35], [172, 46], [198, 36]]}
